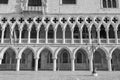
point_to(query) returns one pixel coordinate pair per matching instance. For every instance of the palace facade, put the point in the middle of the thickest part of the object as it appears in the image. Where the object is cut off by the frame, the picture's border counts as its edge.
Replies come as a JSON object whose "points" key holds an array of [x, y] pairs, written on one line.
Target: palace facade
{"points": [[59, 35]]}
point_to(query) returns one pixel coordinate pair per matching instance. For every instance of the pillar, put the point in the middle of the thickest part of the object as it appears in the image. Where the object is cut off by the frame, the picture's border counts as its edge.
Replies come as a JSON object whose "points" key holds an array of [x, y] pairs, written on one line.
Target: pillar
{"points": [[90, 41], [54, 36], [20, 36], [107, 32], [72, 36], [18, 64], [98, 34], [116, 36], [54, 64], [36, 64], [46, 36], [0, 60], [73, 64], [91, 63], [37, 41], [109, 63], [29, 35], [63, 36], [2, 37], [81, 36]]}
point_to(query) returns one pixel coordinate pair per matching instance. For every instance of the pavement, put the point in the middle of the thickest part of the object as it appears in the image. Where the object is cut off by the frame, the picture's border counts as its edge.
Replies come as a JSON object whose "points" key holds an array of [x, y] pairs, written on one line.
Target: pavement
{"points": [[58, 75]]}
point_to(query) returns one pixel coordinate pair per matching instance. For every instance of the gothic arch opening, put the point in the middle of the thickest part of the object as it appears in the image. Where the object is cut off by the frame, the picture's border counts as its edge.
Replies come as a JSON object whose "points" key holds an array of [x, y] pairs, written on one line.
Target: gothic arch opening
{"points": [[103, 34], [24, 34], [116, 59], [81, 60], [16, 33], [85, 33], [68, 32], [93, 32], [100, 60], [63, 60], [51, 32], [9, 60], [33, 34], [45, 60], [111, 32], [118, 31], [0, 32], [27, 61]]}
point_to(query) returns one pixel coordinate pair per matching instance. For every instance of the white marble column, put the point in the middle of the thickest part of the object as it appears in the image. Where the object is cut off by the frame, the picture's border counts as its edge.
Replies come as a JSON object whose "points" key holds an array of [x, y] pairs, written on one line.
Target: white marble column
{"points": [[46, 36], [18, 64], [107, 33], [116, 36], [29, 35], [20, 35], [63, 36], [37, 41], [36, 64], [73, 64], [54, 64], [81, 36], [2, 37], [0, 60], [91, 63], [54, 36], [90, 41], [109, 63], [98, 34], [72, 36]]}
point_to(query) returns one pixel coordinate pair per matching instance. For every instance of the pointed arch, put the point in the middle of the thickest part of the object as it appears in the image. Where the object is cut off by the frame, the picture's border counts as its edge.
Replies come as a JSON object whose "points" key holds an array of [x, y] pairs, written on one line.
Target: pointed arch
{"points": [[111, 31], [51, 32], [33, 33], [103, 33], [118, 31], [59, 32], [76, 32], [68, 32], [25, 31], [94, 32], [7, 31], [85, 33], [16, 31], [42, 33]]}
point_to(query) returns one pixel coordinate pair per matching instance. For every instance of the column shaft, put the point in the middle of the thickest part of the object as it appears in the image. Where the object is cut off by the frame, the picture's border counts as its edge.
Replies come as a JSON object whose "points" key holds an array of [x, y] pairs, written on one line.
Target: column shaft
{"points": [[72, 36], [36, 64], [37, 41], [109, 64], [107, 32], [29, 36], [116, 37], [98, 34], [63, 36], [81, 36], [73, 64], [54, 64], [20, 35], [18, 65], [46, 37], [54, 36], [91, 63], [90, 41], [2, 37]]}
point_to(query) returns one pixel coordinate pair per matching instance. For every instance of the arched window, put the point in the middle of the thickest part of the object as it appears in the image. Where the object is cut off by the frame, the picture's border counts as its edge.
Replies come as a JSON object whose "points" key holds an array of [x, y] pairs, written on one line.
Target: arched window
{"points": [[76, 32], [7, 31], [16, 31], [59, 32], [97, 57], [64, 57], [102, 32], [25, 31], [68, 32], [33, 32], [93, 32], [3, 1], [111, 32], [109, 3], [50, 32], [42, 32], [0, 31], [85, 33]]}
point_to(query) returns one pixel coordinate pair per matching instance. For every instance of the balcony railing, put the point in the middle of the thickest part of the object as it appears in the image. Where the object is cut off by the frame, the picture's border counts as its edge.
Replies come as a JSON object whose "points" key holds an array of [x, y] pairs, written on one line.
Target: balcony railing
{"points": [[60, 41], [31, 8]]}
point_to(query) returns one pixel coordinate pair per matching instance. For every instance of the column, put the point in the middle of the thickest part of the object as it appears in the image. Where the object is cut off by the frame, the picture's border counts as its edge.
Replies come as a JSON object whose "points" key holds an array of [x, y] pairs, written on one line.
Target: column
{"points": [[91, 63], [54, 64], [107, 36], [90, 36], [2, 37], [63, 36], [98, 34], [46, 36], [29, 35], [0, 60], [72, 36], [73, 64], [116, 37], [36, 64], [54, 36], [109, 64], [18, 64], [81, 36], [37, 41], [20, 35]]}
